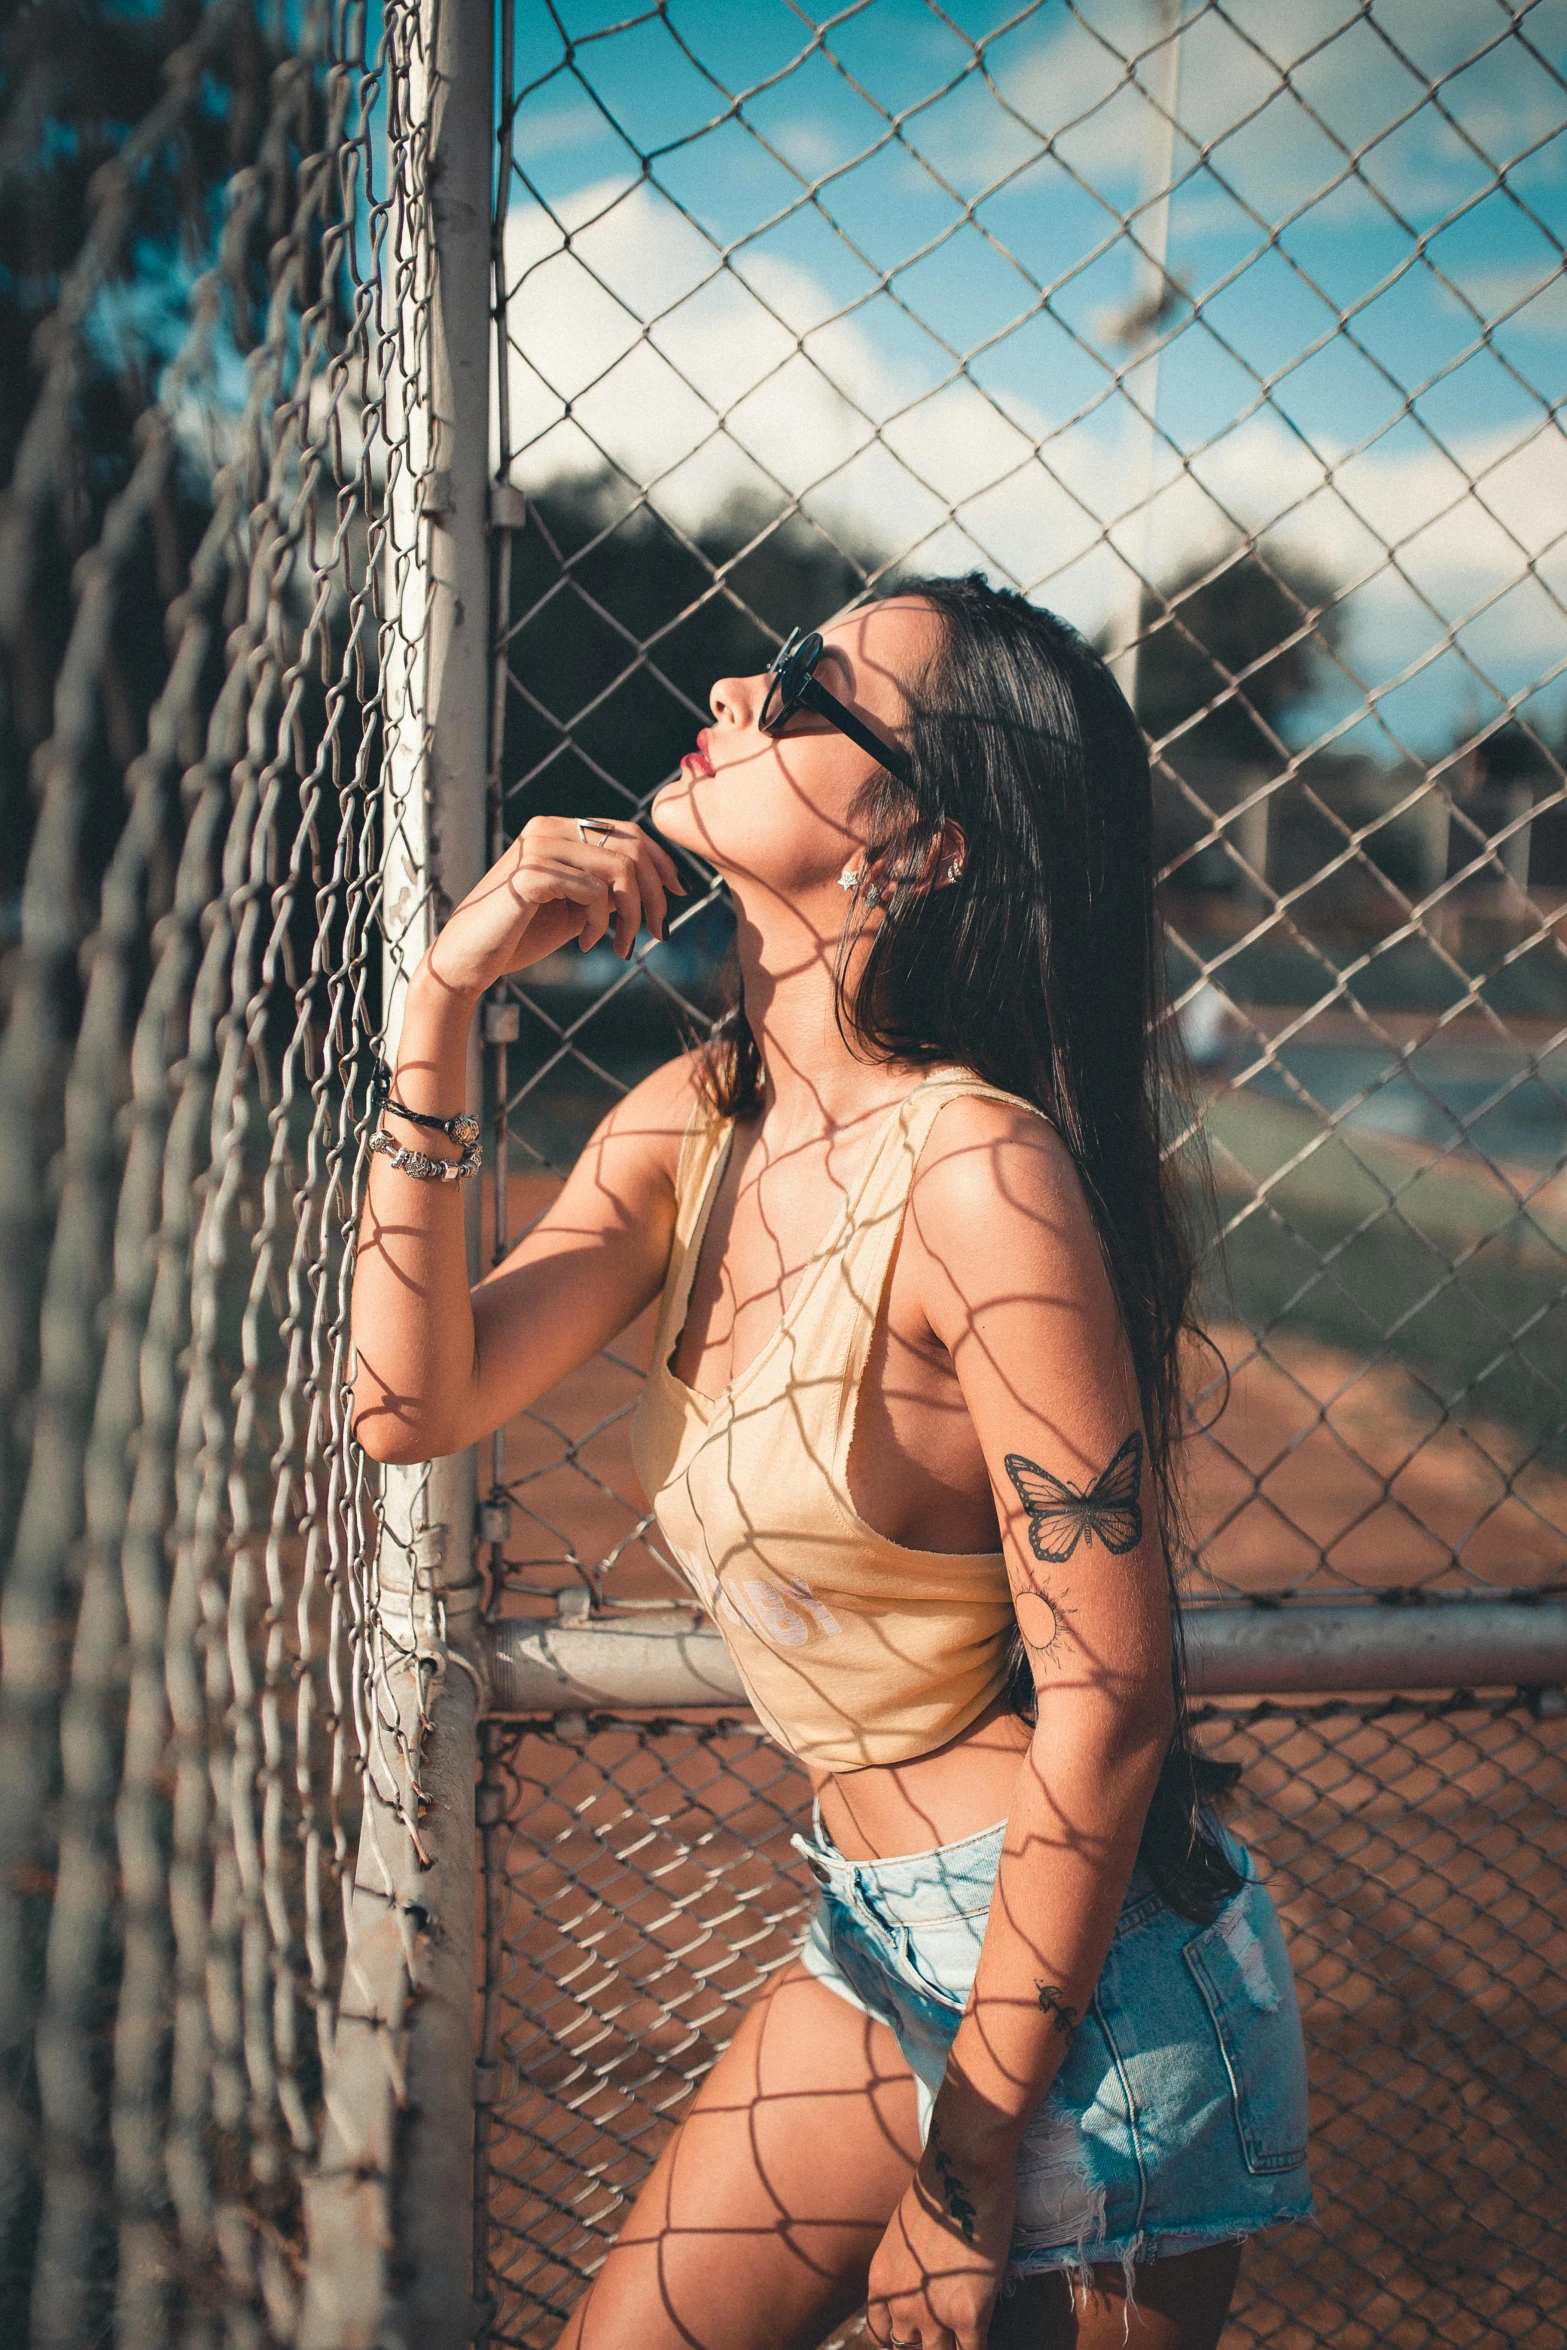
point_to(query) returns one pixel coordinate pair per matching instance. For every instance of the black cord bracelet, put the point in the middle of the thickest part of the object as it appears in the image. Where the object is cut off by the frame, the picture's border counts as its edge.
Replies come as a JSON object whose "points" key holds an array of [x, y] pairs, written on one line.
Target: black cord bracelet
{"points": [[463, 1129]]}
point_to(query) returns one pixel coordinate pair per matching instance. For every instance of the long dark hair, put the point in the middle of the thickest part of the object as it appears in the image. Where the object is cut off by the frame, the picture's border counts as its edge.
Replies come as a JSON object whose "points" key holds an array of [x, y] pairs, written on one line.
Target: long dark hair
{"points": [[1040, 969]]}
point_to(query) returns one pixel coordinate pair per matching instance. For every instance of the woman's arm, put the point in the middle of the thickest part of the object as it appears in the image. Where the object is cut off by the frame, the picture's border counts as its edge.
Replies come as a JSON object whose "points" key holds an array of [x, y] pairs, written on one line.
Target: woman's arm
{"points": [[436, 1368], [1014, 1285]]}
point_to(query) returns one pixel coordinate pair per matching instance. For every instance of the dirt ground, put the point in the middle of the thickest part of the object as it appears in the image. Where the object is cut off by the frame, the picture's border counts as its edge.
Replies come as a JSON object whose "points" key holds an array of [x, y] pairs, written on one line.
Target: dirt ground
{"points": [[644, 1887]]}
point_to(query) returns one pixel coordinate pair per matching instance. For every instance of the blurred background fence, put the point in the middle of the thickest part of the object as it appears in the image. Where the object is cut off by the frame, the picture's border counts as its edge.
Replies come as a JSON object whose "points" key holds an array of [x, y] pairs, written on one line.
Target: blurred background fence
{"points": [[1228, 331]]}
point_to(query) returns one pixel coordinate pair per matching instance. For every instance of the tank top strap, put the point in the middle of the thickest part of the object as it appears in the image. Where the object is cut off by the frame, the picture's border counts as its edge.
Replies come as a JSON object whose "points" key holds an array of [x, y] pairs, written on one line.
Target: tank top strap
{"points": [[703, 1149], [885, 1192], [844, 1309]]}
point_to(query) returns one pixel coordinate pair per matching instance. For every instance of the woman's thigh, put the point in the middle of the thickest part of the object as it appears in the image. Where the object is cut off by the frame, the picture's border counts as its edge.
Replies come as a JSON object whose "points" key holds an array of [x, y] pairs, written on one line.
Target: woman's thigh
{"points": [[1178, 2304], [757, 2226]]}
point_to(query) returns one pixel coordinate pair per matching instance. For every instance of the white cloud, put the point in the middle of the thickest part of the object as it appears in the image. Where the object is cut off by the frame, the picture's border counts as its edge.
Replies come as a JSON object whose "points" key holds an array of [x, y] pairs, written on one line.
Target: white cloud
{"points": [[679, 372]]}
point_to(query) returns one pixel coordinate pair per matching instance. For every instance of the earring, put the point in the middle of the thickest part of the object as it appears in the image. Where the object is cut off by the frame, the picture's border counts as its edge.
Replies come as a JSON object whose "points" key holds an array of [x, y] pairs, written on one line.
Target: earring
{"points": [[954, 869], [849, 878], [872, 894]]}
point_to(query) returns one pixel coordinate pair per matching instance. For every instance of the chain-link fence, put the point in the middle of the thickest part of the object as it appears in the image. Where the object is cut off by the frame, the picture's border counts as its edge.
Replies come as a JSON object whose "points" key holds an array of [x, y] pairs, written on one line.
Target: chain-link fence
{"points": [[1228, 331], [1237, 344], [209, 555], [641, 1887], [1231, 333]]}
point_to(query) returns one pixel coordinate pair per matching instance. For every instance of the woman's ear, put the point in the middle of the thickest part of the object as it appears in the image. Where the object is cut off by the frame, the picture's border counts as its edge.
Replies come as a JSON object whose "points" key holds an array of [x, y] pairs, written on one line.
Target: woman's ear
{"points": [[940, 866], [944, 863]]}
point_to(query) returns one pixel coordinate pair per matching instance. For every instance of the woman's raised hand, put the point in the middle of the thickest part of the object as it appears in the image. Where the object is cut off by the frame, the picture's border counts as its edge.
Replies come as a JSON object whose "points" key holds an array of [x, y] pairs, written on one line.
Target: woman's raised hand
{"points": [[559, 880]]}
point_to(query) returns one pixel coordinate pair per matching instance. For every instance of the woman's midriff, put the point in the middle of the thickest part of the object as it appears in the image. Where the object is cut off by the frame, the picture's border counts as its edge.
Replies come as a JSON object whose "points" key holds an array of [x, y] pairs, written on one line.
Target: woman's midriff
{"points": [[959, 1790]]}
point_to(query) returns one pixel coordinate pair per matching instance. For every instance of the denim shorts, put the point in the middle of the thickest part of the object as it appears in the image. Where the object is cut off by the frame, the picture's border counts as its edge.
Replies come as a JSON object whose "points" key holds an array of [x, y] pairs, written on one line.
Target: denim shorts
{"points": [[1178, 2118]]}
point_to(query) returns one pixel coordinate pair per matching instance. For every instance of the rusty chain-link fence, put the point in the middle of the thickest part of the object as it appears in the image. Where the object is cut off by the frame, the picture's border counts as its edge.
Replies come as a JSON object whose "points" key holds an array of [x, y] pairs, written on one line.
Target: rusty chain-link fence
{"points": [[1229, 331], [643, 1887], [211, 564]]}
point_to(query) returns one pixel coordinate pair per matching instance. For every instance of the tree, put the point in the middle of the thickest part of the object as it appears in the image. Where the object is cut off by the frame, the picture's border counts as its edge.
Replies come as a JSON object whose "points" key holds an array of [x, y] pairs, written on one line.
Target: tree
{"points": [[596, 578], [95, 274], [1210, 625]]}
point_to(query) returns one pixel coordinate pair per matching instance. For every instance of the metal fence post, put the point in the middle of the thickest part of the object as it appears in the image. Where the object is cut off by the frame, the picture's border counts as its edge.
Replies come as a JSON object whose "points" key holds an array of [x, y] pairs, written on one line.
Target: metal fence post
{"points": [[389, 2212], [1141, 325]]}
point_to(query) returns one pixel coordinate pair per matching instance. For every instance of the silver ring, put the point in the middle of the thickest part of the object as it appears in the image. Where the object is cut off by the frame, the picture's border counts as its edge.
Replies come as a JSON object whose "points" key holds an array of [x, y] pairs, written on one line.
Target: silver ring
{"points": [[599, 827]]}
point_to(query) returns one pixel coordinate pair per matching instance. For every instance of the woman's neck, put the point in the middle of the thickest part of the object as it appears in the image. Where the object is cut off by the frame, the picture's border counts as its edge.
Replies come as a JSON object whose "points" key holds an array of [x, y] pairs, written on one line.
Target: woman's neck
{"points": [[814, 1080]]}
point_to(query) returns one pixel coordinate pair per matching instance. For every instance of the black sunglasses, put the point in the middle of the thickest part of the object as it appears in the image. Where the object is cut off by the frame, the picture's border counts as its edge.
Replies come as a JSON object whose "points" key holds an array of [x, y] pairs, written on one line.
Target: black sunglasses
{"points": [[792, 685]]}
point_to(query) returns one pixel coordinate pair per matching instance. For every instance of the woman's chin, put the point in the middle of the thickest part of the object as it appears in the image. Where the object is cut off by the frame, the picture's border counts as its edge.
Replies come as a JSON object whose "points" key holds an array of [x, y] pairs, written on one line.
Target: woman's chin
{"points": [[671, 811], [668, 801]]}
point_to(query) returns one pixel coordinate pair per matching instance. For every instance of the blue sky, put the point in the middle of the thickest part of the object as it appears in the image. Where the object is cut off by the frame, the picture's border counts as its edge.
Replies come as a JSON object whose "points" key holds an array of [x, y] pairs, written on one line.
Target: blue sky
{"points": [[893, 280]]}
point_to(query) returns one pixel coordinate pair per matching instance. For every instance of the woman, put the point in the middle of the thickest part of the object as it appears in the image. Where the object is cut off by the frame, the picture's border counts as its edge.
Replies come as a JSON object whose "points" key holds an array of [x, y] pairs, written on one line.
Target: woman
{"points": [[909, 1429]]}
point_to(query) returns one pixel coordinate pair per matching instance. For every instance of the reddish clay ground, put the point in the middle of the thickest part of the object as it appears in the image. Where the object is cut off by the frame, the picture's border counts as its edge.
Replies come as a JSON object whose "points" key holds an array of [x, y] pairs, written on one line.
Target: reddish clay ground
{"points": [[1321, 1469]]}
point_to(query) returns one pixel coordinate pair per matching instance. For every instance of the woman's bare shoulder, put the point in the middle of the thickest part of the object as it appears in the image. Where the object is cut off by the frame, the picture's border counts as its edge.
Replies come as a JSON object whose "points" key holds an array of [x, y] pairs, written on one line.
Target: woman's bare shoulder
{"points": [[983, 1152], [996, 1185]]}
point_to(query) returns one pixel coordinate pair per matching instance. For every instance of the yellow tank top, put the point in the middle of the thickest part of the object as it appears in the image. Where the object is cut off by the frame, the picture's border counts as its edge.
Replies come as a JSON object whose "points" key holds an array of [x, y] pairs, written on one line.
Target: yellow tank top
{"points": [[852, 1649]]}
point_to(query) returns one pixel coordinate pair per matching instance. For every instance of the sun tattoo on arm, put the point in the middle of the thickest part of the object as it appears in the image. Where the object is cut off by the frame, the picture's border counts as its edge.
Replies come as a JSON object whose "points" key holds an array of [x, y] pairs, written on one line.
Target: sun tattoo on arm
{"points": [[1042, 1617]]}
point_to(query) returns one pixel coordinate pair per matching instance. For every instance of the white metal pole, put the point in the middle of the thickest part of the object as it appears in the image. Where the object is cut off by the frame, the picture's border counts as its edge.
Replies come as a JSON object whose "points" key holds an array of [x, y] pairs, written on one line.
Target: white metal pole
{"points": [[1232, 1650], [1144, 315], [389, 2212]]}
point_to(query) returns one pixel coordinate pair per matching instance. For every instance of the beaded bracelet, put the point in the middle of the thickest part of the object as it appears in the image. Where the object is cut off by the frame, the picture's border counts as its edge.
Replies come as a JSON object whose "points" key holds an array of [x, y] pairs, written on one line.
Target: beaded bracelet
{"points": [[421, 1166], [463, 1129]]}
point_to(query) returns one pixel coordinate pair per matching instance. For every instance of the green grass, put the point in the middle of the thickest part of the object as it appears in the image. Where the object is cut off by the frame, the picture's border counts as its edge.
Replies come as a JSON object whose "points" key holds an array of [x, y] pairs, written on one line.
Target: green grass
{"points": [[1371, 1245]]}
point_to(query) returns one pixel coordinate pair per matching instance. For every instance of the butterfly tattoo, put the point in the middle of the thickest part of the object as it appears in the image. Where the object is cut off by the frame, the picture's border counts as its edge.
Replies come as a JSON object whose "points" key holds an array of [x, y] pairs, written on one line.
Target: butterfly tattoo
{"points": [[1060, 1516]]}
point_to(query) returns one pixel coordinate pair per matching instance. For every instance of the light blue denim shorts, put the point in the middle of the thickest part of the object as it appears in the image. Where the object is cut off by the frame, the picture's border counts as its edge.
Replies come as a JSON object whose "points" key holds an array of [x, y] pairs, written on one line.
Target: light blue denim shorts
{"points": [[1178, 2118]]}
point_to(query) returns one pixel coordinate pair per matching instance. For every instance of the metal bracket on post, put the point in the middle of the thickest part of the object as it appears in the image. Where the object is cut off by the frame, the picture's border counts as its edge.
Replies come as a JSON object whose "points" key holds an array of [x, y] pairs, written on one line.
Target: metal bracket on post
{"points": [[508, 507], [389, 2210], [435, 495]]}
